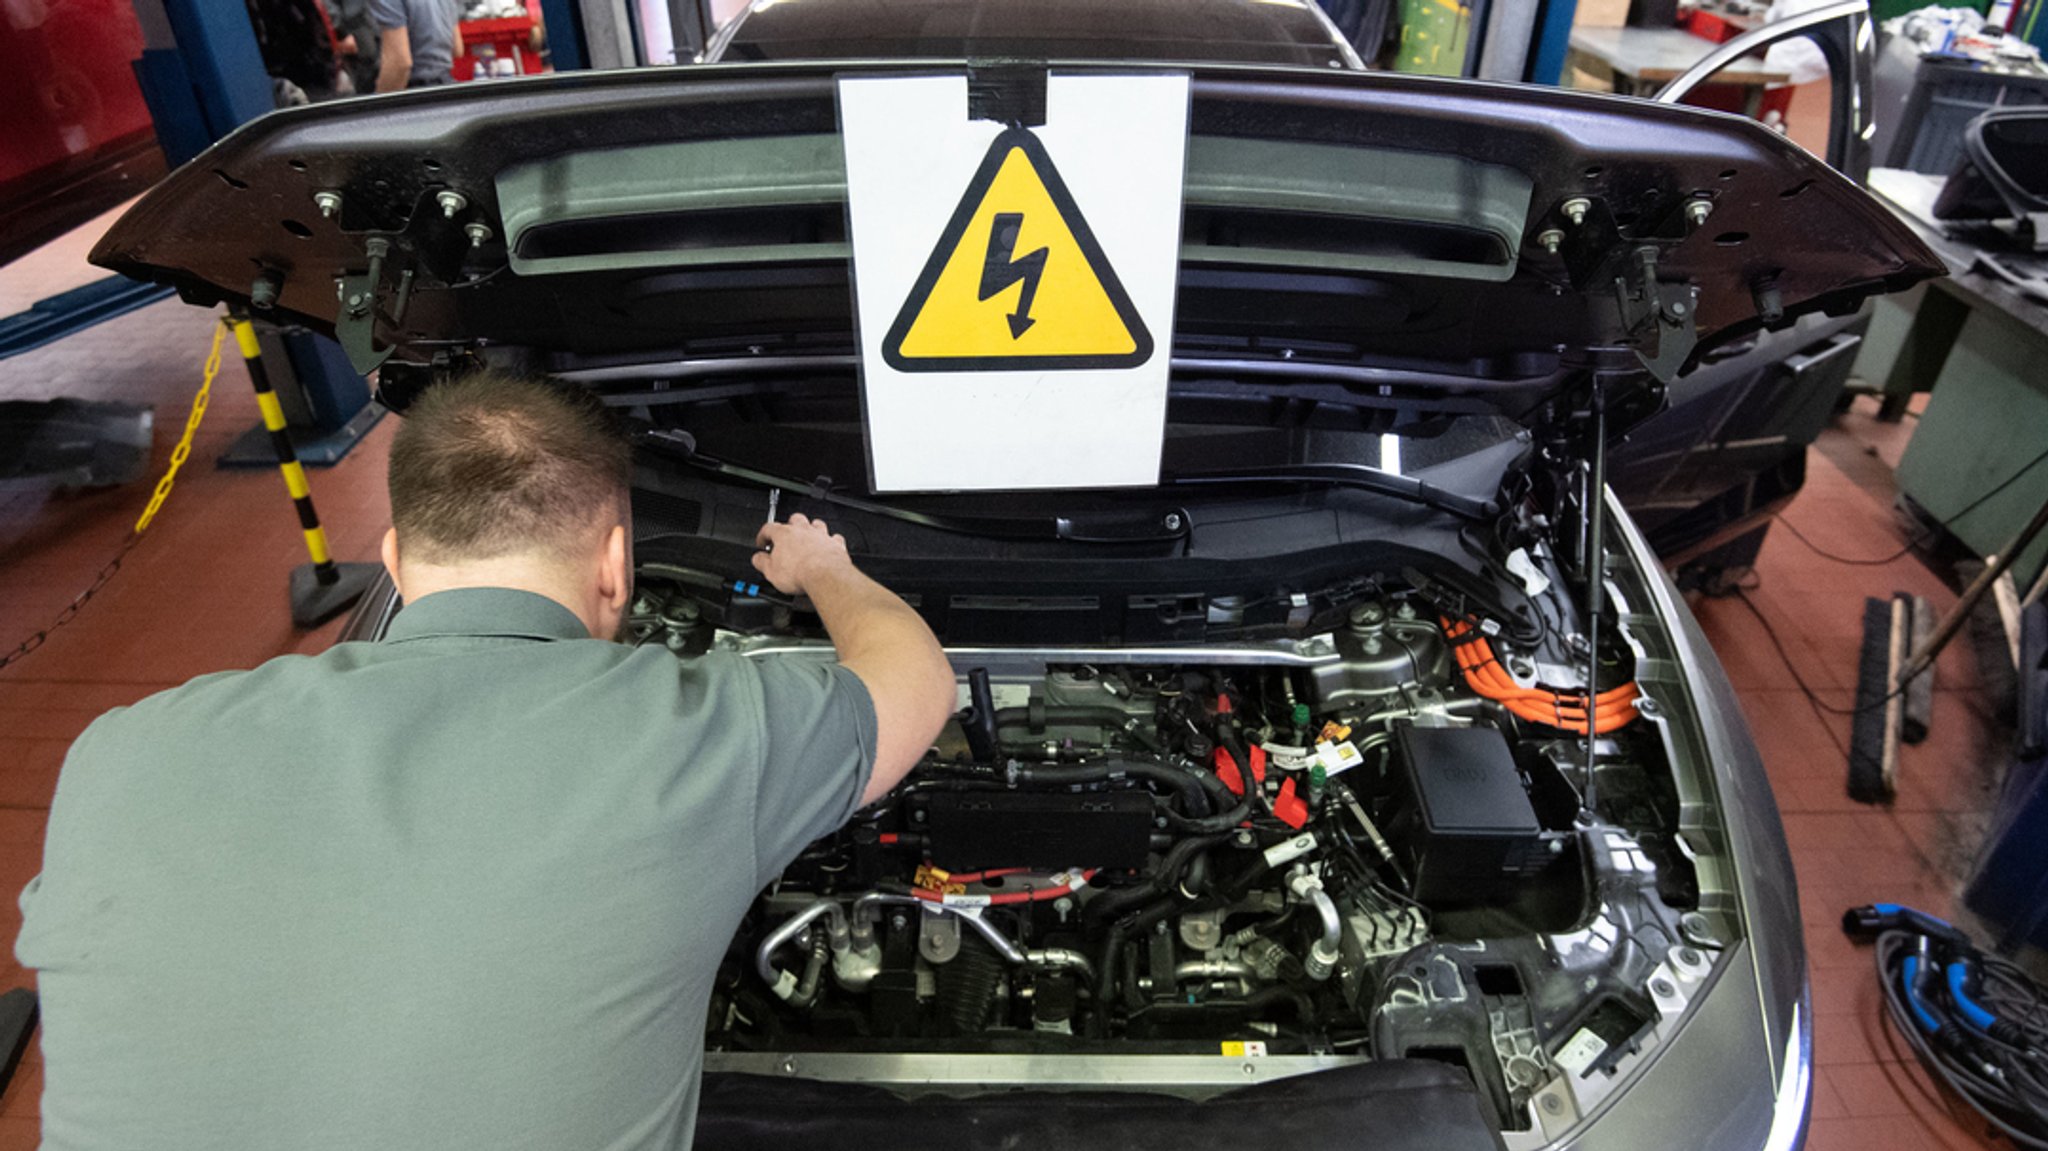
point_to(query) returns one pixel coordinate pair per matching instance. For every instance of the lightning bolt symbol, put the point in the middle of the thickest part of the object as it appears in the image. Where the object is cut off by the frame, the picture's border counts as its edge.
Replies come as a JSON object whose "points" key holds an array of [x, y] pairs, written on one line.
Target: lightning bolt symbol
{"points": [[1003, 268]]}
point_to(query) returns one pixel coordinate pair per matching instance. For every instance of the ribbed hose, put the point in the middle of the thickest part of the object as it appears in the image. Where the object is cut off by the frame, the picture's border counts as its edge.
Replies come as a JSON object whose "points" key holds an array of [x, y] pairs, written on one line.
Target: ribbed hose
{"points": [[968, 985]]}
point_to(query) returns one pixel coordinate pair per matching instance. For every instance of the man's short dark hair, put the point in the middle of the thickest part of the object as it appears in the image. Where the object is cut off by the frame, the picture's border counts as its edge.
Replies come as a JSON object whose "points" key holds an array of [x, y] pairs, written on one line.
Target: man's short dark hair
{"points": [[493, 465]]}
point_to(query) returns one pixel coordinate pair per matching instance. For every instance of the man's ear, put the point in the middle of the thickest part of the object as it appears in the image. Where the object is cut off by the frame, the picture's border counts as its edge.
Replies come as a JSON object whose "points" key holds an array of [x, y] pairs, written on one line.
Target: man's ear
{"points": [[615, 570], [390, 551]]}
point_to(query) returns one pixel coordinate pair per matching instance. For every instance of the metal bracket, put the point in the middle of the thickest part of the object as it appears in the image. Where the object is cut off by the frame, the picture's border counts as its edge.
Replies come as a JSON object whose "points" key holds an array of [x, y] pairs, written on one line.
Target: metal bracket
{"points": [[355, 325], [1657, 314]]}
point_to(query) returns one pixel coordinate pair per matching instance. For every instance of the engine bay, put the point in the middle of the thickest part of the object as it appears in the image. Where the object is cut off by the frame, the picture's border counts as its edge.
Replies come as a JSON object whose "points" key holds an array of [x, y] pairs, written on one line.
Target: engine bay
{"points": [[1382, 836]]}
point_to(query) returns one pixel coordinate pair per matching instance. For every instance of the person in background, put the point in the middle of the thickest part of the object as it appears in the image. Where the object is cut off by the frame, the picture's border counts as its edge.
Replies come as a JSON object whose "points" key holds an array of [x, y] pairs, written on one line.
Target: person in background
{"points": [[358, 41], [418, 41], [297, 47]]}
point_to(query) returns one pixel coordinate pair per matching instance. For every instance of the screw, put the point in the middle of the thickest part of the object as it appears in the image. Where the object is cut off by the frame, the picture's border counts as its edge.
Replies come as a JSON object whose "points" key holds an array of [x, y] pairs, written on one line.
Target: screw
{"points": [[1678, 309], [917, 816], [1552, 1105], [1368, 615], [898, 921], [1661, 986], [329, 203], [1688, 956], [1372, 645], [675, 641], [1520, 665], [1575, 209], [1405, 612], [1172, 521], [789, 1066], [1698, 210], [1646, 706], [477, 234], [451, 203], [1551, 239]]}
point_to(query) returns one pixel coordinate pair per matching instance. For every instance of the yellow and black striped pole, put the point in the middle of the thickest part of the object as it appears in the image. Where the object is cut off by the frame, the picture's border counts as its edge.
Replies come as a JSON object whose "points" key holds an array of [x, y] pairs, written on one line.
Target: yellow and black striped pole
{"points": [[318, 590]]}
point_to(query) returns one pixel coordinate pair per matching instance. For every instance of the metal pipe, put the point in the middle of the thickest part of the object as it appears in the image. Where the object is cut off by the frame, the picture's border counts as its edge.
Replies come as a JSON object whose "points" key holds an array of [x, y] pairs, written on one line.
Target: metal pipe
{"points": [[1214, 969], [785, 984], [1324, 953], [1061, 959], [863, 933]]}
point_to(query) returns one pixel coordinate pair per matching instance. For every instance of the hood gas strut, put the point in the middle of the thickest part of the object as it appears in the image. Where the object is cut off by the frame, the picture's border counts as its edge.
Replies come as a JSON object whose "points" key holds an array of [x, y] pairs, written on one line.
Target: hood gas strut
{"points": [[1151, 527]]}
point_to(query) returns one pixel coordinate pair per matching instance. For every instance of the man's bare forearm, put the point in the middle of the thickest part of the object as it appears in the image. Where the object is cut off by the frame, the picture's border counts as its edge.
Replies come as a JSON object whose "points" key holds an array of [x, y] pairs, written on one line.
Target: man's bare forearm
{"points": [[891, 649]]}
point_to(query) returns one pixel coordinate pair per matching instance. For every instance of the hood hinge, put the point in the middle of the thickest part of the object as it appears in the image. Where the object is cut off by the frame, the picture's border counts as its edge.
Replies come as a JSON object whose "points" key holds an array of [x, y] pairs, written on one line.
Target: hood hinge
{"points": [[355, 325], [1659, 316]]}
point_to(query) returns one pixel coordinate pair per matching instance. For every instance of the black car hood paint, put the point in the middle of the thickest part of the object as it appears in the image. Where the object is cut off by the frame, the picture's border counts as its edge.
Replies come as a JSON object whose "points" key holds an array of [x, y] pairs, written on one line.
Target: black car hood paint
{"points": [[1786, 235]]}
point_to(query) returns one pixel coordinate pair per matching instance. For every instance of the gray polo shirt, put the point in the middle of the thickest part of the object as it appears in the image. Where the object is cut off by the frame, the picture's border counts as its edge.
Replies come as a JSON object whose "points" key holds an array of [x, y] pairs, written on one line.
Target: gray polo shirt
{"points": [[430, 32], [464, 888]]}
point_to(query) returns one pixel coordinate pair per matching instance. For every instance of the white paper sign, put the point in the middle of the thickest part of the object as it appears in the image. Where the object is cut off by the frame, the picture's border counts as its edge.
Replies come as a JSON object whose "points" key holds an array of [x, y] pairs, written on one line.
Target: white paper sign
{"points": [[1015, 285]]}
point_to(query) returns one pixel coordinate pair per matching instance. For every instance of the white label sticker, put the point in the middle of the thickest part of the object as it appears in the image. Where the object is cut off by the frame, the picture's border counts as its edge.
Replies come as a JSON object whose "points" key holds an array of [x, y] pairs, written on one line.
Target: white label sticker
{"points": [[1004, 695], [1287, 851], [1338, 757], [1581, 1051], [965, 900], [1015, 285]]}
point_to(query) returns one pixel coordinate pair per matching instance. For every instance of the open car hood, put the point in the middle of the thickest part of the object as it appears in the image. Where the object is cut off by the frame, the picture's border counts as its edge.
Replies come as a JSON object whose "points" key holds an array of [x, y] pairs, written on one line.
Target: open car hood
{"points": [[1430, 246]]}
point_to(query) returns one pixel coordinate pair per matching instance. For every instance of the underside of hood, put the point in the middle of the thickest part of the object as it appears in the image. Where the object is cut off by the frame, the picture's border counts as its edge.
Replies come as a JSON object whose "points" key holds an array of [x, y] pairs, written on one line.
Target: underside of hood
{"points": [[1430, 246]]}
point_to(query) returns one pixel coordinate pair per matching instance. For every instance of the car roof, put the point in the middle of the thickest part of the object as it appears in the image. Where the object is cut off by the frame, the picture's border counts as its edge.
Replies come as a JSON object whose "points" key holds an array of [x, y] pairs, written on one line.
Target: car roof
{"points": [[1283, 32]]}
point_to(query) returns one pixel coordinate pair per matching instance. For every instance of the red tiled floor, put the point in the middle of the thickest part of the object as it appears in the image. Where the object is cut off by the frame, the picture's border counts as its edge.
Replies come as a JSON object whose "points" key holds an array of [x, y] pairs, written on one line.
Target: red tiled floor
{"points": [[1870, 1094]]}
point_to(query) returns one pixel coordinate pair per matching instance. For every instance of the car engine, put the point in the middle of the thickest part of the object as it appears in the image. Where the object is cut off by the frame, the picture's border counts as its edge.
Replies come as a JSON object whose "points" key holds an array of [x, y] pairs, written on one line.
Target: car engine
{"points": [[1378, 840]]}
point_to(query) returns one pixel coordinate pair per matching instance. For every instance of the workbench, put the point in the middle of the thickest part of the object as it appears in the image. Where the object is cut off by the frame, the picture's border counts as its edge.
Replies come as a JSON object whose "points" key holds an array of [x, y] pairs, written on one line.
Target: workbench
{"points": [[1978, 346], [1639, 61]]}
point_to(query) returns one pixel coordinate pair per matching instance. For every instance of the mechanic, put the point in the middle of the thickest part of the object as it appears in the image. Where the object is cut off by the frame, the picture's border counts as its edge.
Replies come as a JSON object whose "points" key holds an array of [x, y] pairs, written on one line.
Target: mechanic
{"points": [[470, 886], [417, 42]]}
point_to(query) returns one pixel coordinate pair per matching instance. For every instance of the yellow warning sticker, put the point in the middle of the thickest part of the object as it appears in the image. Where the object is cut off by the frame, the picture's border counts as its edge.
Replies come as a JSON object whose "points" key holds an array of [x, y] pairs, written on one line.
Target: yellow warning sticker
{"points": [[1236, 1050], [1017, 280]]}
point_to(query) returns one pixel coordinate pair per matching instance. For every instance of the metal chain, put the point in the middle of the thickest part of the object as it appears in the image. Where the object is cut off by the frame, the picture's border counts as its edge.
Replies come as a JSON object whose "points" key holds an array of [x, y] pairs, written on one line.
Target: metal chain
{"points": [[156, 501]]}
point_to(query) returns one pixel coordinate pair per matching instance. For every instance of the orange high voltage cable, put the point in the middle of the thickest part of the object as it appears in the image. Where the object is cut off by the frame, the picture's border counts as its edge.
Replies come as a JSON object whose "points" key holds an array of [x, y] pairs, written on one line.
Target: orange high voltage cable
{"points": [[1563, 710]]}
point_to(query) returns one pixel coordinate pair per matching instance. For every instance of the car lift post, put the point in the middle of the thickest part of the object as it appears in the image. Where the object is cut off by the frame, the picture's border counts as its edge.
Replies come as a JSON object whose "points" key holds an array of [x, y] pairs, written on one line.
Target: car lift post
{"points": [[320, 589]]}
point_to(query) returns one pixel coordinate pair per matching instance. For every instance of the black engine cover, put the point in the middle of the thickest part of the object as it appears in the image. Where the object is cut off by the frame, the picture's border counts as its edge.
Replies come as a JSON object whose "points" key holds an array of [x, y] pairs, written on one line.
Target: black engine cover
{"points": [[972, 830]]}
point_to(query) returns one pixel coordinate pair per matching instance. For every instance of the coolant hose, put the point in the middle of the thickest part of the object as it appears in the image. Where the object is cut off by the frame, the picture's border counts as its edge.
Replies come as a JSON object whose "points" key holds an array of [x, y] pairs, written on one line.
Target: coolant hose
{"points": [[1038, 718], [1111, 903], [1304, 1008], [1193, 799]]}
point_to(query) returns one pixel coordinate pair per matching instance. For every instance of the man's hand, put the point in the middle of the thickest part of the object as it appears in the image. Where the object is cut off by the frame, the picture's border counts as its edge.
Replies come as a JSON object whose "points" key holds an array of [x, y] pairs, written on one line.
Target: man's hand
{"points": [[347, 47], [795, 554], [879, 638]]}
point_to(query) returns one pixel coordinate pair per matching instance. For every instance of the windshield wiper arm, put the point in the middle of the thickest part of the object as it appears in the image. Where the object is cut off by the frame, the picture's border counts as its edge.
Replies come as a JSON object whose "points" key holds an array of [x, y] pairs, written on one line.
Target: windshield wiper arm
{"points": [[1345, 476], [1162, 527]]}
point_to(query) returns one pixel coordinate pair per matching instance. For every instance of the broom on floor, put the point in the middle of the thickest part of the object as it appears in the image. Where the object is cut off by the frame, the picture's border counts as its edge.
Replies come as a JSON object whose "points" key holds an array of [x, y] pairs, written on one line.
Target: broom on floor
{"points": [[1895, 674]]}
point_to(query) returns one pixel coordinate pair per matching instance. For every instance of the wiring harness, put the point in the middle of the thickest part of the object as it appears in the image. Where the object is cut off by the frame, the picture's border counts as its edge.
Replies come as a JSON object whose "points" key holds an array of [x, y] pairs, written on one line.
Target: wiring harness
{"points": [[1565, 711], [1978, 1022]]}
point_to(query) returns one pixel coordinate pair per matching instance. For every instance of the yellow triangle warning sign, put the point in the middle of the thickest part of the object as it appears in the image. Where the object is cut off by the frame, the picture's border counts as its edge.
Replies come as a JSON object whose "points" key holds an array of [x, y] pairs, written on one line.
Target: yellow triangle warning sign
{"points": [[1017, 280]]}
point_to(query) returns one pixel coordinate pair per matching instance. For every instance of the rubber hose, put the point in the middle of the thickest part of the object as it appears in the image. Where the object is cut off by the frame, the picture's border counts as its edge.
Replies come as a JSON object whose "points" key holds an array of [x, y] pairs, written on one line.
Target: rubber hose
{"points": [[1112, 902], [1105, 980], [1185, 783], [1304, 1008], [1071, 715]]}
